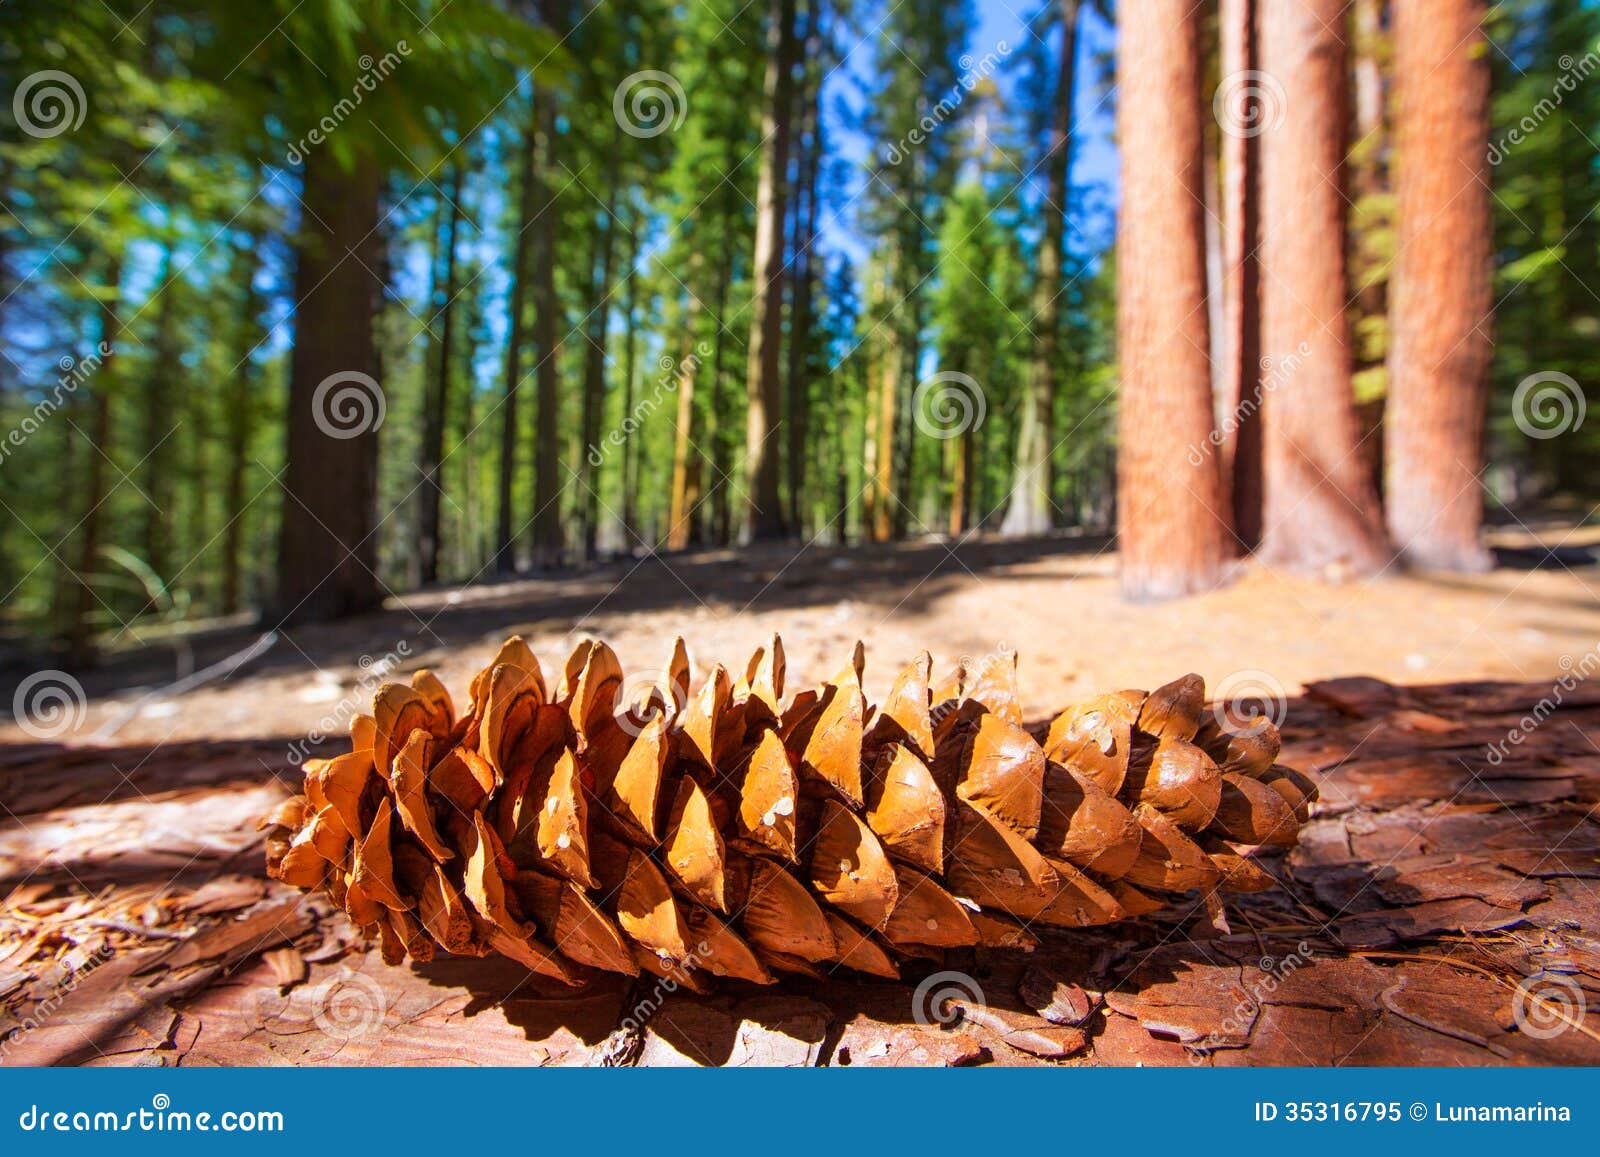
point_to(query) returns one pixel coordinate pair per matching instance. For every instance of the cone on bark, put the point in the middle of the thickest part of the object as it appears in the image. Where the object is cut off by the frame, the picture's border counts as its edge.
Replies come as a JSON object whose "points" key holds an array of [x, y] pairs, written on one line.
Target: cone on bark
{"points": [[618, 825]]}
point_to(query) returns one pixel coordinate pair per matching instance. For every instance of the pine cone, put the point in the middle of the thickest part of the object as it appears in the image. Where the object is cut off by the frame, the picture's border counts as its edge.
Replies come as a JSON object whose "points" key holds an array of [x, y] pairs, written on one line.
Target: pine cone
{"points": [[625, 825]]}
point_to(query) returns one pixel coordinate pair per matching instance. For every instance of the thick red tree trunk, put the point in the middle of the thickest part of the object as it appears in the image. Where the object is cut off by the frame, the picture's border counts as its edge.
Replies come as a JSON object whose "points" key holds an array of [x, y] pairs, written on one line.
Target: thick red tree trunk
{"points": [[1320, 510], [1171, 519], [1440, 299]]}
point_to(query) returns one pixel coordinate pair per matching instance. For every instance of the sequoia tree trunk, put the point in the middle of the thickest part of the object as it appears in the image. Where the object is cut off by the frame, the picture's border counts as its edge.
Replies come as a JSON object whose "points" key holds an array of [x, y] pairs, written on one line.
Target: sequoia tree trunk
{"points": [[1172, 528], [1321, 511], [1440, 294]]}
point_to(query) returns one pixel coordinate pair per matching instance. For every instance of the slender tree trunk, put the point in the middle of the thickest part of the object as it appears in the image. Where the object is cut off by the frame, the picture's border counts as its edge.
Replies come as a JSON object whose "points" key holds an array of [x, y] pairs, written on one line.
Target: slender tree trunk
{"points": [[1321, 513], [505, 557], [685, 499], [547, 537], [594, 366], [80, 625], [327, 556], [885, 503], [764, 511], [1171, 522], [1031, 511], [630, 369], [430, 489], [721, 422], [800, 322], [1440, 296], [1241, 285], [239, 425], [161, 408]]}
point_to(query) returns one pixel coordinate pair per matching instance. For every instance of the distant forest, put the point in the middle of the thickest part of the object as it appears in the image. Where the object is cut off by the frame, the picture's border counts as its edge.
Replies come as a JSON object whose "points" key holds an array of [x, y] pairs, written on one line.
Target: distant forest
{"points": [[308, 304]]}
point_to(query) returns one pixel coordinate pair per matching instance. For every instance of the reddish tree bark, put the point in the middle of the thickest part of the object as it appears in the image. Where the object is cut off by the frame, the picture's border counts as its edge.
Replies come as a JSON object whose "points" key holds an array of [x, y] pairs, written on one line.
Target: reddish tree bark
{"points": [[1440, 293], [1320, 509], [1172, 528]]}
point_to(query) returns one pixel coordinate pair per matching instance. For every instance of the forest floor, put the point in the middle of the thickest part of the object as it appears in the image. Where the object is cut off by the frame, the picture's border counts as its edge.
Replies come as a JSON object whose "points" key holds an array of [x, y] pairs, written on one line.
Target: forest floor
{"points": [[1434, 891]]}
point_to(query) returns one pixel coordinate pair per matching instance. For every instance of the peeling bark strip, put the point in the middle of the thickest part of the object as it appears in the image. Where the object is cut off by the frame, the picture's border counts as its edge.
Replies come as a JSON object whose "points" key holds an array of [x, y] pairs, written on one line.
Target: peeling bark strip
{"points": [[734, 833]]}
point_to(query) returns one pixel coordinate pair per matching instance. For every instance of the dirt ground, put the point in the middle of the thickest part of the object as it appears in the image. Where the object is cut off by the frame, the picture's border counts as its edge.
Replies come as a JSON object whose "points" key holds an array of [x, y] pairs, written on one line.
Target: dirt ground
{"points": [[1442, 907]]}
